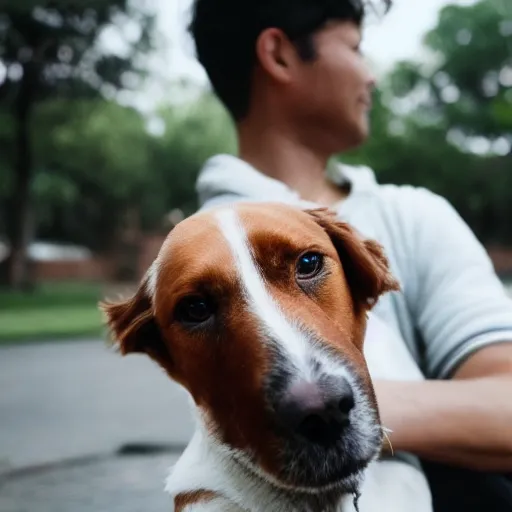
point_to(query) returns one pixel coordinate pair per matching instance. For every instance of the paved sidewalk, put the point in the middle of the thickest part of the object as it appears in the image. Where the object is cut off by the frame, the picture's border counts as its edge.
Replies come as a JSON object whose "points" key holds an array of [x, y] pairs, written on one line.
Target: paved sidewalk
{"points": [[64, 400], [127, 484]]}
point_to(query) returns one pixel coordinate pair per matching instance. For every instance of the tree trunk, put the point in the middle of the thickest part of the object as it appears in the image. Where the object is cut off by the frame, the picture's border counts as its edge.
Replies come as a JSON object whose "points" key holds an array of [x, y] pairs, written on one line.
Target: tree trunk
{"points": [[18, 275]]}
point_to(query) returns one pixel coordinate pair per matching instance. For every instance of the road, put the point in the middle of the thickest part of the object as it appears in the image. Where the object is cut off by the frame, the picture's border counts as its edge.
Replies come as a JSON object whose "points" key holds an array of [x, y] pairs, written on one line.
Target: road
{"points": [[65, 400], [65, 411], [127, 484]]}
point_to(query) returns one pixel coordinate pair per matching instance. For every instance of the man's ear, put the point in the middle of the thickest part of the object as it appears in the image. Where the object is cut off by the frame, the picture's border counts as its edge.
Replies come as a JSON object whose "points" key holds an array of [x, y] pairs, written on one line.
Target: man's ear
{"points": [[133, 326], [364, 262]]}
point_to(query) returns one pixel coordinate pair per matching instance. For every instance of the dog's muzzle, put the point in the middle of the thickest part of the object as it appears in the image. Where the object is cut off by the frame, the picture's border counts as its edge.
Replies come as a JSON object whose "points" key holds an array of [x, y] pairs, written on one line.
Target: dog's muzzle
{"points": [[318, 411]]}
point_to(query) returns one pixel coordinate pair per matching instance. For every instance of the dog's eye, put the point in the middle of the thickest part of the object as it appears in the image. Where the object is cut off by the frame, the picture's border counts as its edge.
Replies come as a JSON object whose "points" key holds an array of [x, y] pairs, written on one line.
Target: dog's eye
{"points": [[309, 265], [195, 310]]}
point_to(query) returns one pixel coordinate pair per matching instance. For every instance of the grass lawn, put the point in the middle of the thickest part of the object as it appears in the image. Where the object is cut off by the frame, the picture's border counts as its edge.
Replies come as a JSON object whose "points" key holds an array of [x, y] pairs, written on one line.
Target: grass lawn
{"points": [[53, 311]]}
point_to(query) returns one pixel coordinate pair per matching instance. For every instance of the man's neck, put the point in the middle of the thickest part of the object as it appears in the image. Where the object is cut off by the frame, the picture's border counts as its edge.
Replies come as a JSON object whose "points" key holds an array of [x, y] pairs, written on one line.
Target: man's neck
{"points": [[280, 156]]}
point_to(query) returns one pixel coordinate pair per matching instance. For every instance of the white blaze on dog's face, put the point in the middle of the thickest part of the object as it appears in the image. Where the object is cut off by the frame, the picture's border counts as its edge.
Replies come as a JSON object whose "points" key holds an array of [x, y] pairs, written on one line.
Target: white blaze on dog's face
{"points": [[260, 312]]}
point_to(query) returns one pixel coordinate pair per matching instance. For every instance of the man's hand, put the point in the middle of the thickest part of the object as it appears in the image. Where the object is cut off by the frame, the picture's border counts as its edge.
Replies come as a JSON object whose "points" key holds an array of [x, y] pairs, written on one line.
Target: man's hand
{"points": [[465, 421]]}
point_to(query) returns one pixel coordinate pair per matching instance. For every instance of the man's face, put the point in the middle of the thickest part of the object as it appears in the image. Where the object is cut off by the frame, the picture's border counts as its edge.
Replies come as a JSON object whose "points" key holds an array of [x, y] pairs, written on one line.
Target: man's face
{"points": [[333, 91]]}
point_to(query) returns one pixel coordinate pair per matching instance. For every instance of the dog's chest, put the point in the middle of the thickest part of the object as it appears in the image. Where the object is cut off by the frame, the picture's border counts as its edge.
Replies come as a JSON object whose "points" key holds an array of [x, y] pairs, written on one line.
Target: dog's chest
{"points": [[386, 353], [303, 506]]}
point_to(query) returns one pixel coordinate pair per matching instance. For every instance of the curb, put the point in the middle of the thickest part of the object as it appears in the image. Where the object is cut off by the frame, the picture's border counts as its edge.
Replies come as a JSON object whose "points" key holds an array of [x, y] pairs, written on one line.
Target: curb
{"points": [[126, 450]]}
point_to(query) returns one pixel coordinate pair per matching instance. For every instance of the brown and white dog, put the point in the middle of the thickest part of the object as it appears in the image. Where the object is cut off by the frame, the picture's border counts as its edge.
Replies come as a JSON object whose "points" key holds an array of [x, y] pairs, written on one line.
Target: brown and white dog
{"points": [[260, 312]]}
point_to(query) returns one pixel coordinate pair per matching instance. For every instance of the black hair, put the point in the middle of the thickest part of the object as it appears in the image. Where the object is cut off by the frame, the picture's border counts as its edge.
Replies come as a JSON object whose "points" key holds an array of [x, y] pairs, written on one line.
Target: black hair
{"points": [[225, 34]]}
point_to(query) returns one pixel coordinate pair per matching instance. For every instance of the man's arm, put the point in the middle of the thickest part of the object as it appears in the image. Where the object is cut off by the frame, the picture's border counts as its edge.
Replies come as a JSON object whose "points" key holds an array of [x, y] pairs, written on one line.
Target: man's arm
{"points": [[466, 421], [462, 413]]}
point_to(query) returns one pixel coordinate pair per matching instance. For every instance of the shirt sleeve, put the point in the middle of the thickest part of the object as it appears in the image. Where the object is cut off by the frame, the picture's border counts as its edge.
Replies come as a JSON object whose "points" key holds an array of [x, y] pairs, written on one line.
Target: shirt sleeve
{"points": [[459, 305]]}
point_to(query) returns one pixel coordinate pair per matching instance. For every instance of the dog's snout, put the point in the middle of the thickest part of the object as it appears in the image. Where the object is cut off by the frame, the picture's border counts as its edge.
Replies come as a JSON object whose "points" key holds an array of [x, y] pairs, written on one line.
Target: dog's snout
{"points": [[318, 411]]}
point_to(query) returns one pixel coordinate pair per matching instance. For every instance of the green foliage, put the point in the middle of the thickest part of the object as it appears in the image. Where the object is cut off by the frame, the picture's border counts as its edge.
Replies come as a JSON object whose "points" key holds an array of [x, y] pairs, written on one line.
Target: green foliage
{"points": [[51, 50], [193, 132], [426, 118], [94, 158], [58, 43], [89, 166], [474, 53]]}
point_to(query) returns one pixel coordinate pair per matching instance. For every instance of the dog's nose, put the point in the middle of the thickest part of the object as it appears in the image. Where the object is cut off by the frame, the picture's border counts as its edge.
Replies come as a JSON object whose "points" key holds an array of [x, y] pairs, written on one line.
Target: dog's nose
{"points": [[318, 412]]}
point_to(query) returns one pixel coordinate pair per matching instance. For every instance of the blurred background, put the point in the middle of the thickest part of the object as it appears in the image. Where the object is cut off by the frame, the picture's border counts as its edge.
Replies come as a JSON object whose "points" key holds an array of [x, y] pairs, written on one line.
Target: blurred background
{"points": [[105, 121]]}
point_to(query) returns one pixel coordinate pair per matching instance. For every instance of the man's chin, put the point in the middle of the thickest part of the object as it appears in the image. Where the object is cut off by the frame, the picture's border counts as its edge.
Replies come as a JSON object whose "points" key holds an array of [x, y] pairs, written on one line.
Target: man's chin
{"points": [[364, 129], [358, 135]]}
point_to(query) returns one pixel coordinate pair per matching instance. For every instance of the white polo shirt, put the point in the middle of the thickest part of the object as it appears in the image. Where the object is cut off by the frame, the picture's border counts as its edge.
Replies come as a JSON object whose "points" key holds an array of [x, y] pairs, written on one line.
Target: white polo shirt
{"points": [[451, 303]]}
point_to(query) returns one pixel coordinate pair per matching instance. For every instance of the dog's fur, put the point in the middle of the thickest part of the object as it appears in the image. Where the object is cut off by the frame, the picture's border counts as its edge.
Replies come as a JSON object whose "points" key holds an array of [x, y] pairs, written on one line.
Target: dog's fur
{"points": [[268, 327]]}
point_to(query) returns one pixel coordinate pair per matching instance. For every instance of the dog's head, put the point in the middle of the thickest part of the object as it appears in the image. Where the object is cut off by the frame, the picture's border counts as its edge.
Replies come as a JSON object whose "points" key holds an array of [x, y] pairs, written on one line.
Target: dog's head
{"points": [[259, 311]]}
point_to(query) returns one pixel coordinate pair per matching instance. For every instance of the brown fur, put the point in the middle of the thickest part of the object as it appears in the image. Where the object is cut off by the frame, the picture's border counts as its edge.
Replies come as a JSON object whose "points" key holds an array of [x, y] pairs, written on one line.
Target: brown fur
{"points": [[364, 262], [183, 500], [223, 367]]}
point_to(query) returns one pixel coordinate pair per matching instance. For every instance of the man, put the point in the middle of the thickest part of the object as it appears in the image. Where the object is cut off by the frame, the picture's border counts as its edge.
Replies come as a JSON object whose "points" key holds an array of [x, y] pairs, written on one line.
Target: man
{"points": [[291, 74]]}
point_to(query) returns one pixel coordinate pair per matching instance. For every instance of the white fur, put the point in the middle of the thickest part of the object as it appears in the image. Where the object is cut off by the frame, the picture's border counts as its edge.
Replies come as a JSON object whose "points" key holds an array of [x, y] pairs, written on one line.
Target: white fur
{"points": [[387, 355], [392, 486], [216, 505], [389, 486], [208, 464], [258, 298], [152, 278]]}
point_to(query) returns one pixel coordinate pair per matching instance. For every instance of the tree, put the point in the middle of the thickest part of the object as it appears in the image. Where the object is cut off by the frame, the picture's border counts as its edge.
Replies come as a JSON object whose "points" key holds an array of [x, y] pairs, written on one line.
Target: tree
{"points": [[194, 131], [446, 124], [87, 175], [472, 81], [89, 168], [50, 51]]}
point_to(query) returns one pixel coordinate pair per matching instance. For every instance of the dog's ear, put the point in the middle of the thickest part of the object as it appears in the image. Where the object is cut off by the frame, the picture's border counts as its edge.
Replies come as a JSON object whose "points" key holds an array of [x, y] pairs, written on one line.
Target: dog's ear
{"points": [[133, 326], [364, 262]]}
